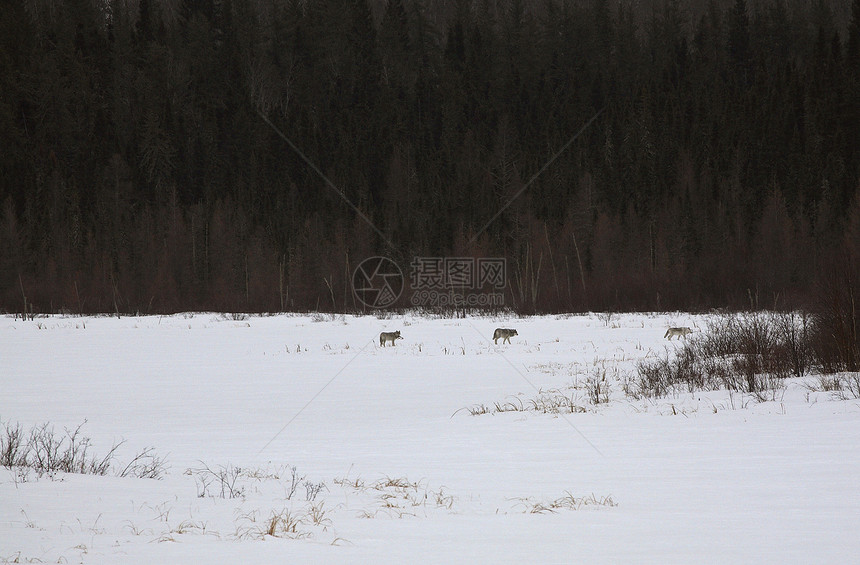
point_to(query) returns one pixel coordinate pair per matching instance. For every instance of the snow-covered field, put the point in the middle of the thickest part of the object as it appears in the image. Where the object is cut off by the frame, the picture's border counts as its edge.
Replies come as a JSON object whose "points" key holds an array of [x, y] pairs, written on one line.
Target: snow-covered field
{"points": [[303, 427]]}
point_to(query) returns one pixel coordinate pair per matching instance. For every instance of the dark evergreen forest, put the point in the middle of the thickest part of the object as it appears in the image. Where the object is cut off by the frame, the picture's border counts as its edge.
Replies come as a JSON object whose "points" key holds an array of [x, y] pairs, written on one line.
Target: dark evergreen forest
{"points": [[141, 169]]}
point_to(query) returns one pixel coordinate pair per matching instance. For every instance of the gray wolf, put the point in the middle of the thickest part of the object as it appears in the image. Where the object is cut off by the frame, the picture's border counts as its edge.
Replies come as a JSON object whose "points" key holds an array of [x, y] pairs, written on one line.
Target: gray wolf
{"points": [[503, 333], [389, 336], [680, 332]]}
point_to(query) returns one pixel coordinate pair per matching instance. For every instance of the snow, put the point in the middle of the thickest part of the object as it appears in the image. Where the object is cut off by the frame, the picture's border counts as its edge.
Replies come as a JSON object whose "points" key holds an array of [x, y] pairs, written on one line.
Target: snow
{"points": [[410, 475]]}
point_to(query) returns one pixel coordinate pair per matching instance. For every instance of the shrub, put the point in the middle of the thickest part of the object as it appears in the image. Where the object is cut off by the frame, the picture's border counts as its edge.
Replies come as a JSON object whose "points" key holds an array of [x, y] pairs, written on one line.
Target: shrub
{"points": [[751, 353], [48, 453], [835, 340], [13, 449]]}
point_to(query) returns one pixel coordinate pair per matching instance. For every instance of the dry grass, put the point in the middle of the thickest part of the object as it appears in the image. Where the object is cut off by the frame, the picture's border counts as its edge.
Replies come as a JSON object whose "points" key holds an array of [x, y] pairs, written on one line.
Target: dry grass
{"points": [[566, 502], [551, 401], [284, 523], [842, 386], [398, 496]]}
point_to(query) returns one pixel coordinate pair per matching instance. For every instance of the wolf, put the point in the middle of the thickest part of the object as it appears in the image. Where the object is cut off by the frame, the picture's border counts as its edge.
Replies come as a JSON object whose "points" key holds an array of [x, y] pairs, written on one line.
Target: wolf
{"points": [[389, 336], [503, 333], [680, 332]]}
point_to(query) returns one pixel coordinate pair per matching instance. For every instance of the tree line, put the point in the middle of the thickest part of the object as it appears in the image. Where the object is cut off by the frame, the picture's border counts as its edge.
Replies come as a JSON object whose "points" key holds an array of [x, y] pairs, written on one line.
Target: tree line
{"points": [[247, 155]]}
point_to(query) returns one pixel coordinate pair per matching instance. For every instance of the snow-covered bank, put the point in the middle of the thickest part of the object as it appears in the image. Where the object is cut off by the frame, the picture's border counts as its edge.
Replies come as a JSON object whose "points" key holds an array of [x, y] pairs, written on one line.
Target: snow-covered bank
{"points": [[253, 414]]}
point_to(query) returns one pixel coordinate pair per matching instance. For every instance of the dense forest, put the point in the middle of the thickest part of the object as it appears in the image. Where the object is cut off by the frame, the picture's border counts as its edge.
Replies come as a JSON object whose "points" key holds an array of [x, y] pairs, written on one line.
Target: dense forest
{"points": [[246, 155]]}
